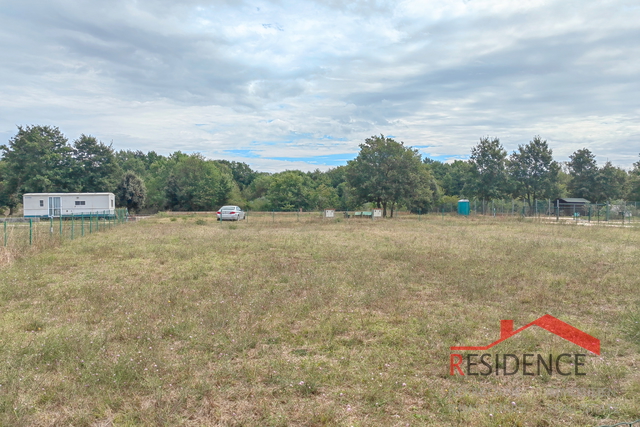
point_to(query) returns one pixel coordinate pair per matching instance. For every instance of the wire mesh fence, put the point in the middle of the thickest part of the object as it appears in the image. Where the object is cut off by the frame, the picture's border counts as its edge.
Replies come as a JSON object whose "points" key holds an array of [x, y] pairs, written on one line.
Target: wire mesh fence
{"points": [[622, 212], [20, 235]]}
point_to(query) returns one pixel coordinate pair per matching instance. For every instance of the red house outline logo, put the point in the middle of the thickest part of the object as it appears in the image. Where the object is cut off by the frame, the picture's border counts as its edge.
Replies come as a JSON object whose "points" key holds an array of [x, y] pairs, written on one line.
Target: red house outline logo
{"points": [[549, 323]]}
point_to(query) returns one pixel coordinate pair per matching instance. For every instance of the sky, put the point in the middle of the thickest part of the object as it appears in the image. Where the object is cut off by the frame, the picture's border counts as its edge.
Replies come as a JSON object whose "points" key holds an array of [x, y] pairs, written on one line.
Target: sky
{"points": [[300, 84]]}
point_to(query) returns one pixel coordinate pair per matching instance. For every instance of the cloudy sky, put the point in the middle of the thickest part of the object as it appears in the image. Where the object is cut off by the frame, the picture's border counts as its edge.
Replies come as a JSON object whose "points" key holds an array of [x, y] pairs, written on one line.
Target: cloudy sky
{"points": [[299, 84]]}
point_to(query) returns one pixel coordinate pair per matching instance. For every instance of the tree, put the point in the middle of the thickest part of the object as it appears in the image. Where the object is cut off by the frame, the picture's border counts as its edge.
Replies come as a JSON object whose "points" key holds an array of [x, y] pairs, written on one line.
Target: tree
{"points": [[426, 192], [242, 174], [259, 186], [326, 197], [134, 161], [156, 182], [95, 168], [634, 182], [454, 179], [38, 160], [336, 176], [196, 184], [595, 184], [337, 179], [488, 169], [533, 171], [610, 183], [131, 192], [583, 171], [290, 190], [8, 199], [385, 172]]}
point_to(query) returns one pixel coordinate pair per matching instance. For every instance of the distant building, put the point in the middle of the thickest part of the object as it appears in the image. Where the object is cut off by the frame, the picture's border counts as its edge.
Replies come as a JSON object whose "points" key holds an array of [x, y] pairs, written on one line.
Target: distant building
{"points": [[55, 205], [570, 205]]}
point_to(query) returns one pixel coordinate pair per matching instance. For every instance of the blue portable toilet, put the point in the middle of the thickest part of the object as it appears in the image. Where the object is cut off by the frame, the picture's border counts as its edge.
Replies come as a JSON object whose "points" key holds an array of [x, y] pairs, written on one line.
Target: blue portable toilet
{"points": [[464, 207]]}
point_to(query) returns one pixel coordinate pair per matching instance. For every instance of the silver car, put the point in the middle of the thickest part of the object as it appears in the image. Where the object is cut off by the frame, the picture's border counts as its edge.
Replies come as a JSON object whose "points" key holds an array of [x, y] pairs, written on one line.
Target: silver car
{"points": [[230, 213]]}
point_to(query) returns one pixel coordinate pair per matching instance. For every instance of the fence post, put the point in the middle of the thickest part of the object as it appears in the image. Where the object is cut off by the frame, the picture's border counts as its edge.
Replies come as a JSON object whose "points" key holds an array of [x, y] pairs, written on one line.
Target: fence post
{"points": [[72, 225], [90, 222], [51, 226], [30, 231], [82, 225], [5, 232], [61, 224]]}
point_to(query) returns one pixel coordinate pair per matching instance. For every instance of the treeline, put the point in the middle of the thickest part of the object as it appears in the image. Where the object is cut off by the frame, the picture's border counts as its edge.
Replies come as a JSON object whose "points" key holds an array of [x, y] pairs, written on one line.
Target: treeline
{"points": [[530, 173], [386, 174]]}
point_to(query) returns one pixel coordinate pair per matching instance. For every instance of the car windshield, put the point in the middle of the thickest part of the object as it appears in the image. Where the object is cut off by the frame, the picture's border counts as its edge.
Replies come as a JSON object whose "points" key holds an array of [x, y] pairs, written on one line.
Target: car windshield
{"points": [[228, 208]]}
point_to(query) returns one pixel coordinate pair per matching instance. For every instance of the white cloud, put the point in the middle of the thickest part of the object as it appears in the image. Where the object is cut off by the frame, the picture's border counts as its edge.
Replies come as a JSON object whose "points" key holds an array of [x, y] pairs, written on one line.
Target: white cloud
{"points": [[302, 79]]}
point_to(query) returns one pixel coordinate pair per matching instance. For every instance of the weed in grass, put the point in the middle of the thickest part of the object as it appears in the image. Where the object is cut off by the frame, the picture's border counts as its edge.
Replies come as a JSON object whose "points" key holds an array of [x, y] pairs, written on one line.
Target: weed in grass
{"points": [[307, 388], [34, 326]]}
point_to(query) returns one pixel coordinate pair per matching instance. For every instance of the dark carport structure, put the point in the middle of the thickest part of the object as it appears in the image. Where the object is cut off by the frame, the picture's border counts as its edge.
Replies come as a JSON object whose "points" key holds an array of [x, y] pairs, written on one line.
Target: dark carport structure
{"points": [[571, 206]]}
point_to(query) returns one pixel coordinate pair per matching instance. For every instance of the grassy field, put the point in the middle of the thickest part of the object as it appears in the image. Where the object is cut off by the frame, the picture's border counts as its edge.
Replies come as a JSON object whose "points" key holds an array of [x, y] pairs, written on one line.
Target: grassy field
{"points": [[186, 321]]}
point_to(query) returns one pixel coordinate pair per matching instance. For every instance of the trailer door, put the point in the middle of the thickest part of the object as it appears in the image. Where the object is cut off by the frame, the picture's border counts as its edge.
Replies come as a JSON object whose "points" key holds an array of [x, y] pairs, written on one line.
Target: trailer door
{"points": [[54, 207]]}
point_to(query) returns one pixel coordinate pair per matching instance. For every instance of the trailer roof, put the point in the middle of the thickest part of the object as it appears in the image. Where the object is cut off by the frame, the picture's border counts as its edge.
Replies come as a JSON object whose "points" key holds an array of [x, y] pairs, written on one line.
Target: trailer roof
{"points": [[64, 194]]}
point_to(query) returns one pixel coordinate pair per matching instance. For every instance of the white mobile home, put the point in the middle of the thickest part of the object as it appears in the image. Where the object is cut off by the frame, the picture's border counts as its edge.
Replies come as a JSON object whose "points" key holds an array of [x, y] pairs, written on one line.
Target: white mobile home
{"points": [[55, 205]]}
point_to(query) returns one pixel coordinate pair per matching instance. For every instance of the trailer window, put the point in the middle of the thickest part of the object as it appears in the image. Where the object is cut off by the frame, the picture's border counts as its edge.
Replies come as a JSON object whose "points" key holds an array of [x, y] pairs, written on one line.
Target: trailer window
{"points": [[112, 203], [80, 203], [41, 203]]}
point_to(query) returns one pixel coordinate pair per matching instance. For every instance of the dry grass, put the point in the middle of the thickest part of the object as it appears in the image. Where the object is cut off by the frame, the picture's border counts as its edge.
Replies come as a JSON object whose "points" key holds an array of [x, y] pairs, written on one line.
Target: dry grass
{"points": [[192, 322], [20, 239]]}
